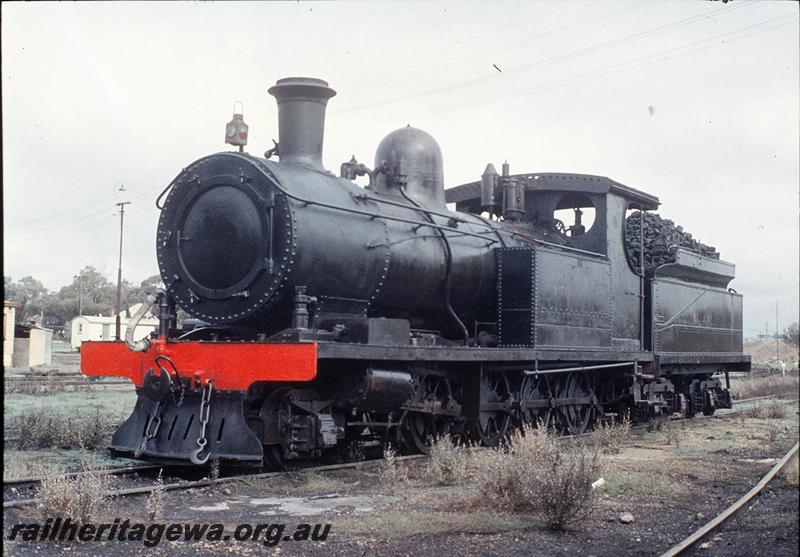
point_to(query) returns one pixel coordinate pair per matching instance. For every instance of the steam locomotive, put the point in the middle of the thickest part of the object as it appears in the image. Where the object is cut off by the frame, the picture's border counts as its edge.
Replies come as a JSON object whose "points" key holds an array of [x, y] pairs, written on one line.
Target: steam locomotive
{"points": [[332, 318]]}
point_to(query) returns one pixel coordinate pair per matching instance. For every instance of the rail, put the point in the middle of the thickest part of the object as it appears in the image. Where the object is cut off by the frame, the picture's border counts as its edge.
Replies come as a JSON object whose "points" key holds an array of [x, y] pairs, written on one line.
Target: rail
{"points": [[209, 482], [730, 511]]}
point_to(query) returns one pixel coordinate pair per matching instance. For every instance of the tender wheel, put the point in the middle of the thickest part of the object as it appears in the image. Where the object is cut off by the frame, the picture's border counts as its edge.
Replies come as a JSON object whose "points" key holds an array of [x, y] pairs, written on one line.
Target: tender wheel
{"points": [[577, 416], [494, 416], [535, 395]]}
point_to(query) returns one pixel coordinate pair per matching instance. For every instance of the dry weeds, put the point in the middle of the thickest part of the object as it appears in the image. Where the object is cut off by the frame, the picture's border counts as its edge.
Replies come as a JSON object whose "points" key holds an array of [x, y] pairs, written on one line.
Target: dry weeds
{"points": [[777, 384], [673, 432], [214, 469], [82, 498], [393, 474], [449, 462], [46, 385], [44, 429], [608, 436], [772, 410], [537, 474], [155, 501], [17, 468], [791, 472]]}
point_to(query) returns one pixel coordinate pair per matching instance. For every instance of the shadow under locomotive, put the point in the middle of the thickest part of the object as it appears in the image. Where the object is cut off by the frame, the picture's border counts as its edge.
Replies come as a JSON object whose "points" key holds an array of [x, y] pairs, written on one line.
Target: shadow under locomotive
{"points": [[332, 319]]}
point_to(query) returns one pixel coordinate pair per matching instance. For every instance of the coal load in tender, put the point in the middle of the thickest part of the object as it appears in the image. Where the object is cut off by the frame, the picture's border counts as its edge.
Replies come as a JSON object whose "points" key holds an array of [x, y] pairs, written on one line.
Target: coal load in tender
{"points": [[661, 241]]}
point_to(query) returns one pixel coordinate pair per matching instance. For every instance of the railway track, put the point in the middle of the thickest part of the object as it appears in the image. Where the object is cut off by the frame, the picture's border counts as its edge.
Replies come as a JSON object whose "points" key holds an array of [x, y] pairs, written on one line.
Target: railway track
{"points": [[31, 483], [720, 519], [206, 482]]}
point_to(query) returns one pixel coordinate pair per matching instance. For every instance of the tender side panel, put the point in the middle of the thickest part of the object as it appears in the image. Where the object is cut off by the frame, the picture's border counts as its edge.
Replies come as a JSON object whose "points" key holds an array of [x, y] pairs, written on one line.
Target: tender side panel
{"points": [[553, 298], [695, 318], [573, 300], [230, 365]]}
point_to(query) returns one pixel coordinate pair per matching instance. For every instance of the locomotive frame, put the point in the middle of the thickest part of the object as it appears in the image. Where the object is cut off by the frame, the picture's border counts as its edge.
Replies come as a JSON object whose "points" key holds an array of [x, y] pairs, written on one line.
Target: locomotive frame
{"points": [[420, 321]]}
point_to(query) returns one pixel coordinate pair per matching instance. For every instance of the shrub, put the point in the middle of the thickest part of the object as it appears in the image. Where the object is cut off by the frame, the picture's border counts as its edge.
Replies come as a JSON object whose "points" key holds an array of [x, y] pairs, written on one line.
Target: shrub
{"points": [[672, 433], [393, 475], [774, 411], [567, 492], [539, 474], [43, 429], [773, 432], [82, 498], [449, 462], [609, 436]]}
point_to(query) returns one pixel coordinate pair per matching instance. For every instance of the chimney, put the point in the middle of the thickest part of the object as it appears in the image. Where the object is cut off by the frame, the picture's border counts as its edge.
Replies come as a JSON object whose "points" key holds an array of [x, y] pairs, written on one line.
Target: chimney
{"points": [[301, 119]]}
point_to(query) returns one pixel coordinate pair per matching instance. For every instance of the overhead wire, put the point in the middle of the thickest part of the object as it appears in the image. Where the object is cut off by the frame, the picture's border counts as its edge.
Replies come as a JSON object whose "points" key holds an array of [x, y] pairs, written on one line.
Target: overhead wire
{"points": [[372, 79], [505, 47], [94, 215], [594, 49], [643, 61]]}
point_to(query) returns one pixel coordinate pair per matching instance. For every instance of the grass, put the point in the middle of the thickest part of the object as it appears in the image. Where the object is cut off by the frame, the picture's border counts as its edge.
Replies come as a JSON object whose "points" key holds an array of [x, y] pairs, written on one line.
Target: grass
{"points": [[115, 403], [113, 406], [401, 524], [772, 410], [776, 384], [28, 463], [314, 482], [18, 468], [298, 482], [634, 484]]}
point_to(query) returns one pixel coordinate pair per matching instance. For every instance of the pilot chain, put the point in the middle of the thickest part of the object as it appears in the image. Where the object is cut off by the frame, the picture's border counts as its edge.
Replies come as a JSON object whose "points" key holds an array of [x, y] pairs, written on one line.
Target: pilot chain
{"points": [[205, 413]]}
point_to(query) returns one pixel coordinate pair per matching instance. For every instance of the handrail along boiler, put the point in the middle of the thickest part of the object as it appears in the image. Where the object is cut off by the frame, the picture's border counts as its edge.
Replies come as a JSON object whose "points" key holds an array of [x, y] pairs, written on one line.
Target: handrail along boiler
{"points": [[331, 318]]}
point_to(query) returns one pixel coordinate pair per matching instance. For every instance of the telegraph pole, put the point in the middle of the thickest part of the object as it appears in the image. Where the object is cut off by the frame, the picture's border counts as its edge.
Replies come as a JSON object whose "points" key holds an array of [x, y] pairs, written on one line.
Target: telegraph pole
{"points": [[121, 206], [80, 292], [777, 338]]}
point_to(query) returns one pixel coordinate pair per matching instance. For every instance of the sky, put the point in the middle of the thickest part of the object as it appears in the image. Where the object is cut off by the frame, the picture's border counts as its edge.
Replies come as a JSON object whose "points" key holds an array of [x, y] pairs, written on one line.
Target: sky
{"points": [[695, 102]]}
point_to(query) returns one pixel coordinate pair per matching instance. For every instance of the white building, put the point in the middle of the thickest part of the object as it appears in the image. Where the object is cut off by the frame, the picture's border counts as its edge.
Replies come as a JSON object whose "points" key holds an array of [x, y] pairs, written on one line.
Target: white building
{"points": [[33, 346], [9, 318], [97, 327]]}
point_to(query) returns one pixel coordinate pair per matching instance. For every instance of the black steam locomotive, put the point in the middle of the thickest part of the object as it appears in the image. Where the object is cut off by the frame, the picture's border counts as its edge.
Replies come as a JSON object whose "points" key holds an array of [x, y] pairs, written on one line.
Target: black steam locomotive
{"points": [[334, 317]]}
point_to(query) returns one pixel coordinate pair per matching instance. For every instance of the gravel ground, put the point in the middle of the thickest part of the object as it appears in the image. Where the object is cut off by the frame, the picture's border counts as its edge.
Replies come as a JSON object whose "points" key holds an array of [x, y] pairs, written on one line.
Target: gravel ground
{"points": [[670, 490]]}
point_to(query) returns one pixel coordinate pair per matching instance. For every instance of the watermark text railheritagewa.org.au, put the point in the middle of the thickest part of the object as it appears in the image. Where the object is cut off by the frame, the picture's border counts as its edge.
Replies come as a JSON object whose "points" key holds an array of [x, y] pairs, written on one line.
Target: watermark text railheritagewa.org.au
{"points": [[150, 535]]}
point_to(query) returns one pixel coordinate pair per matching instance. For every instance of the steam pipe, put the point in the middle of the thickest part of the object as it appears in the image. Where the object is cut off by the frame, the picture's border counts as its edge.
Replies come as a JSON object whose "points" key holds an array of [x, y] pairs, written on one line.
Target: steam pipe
{"points": [[144, 344]]}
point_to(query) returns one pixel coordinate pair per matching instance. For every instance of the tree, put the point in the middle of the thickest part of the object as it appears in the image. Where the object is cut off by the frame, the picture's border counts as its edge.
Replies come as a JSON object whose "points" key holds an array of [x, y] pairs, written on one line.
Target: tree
{"points": [[30, 294], [89, 291], [791, 336], [137, 294]]}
